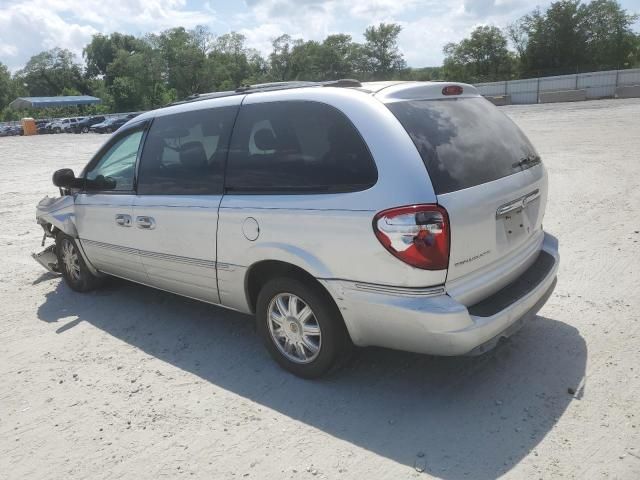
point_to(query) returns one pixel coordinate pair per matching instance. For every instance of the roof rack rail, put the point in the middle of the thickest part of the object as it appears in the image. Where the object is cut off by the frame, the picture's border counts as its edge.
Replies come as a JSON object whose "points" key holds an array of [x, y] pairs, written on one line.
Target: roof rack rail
{"points": [[265, 87], [342, 82], [275, 86]]}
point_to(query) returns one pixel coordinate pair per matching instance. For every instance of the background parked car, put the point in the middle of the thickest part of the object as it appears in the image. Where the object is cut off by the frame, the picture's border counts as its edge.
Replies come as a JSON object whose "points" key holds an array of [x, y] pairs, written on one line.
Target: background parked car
{"points": [[86, 123], [62, 124], [11, 130], [110, 125], [73, 122], [6, 131], [45, 127], [40, 125]]}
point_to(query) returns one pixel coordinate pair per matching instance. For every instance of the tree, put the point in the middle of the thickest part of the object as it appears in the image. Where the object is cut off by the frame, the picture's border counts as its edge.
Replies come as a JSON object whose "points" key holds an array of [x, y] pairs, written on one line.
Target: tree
{"points": [[381, 50], [7, 90], [570, 35], [184, 55], [307, 62], [280, 58], [610, 38], [139, 80], [229, 61], [103, 50], [481, 57], [342, 58], [49, 72], [553, 41]]}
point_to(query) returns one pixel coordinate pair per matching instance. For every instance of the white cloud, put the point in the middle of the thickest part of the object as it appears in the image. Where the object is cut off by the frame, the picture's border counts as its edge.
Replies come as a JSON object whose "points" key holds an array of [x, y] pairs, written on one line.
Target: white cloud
{"points": [[27, 27], [30, 27]]}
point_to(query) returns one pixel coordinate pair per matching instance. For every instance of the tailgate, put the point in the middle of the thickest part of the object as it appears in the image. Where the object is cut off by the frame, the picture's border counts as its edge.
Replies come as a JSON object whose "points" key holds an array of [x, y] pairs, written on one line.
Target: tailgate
{"points": [[489, 178], [496, 228]]}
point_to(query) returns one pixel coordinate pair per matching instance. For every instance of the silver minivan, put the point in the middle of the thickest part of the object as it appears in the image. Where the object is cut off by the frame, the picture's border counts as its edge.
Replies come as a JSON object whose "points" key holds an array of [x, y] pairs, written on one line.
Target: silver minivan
{"points": [[405, 215]]}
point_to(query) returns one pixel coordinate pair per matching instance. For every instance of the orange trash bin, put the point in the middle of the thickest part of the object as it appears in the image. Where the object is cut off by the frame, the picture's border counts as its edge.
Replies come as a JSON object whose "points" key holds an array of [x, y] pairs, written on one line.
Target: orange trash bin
{"points": [[29, 126]]}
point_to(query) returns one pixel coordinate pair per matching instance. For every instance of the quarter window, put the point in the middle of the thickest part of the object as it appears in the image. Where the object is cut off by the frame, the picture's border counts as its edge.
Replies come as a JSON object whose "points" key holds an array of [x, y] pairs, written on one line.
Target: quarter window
{"points": [[115, 170], [297, 147], [184, 153]]}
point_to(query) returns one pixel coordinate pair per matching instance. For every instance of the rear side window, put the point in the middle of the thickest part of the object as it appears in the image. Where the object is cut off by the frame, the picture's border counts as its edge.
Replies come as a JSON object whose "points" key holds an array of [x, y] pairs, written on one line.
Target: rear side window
{"points": [[184, 153], [297, 147], [464, 142]]}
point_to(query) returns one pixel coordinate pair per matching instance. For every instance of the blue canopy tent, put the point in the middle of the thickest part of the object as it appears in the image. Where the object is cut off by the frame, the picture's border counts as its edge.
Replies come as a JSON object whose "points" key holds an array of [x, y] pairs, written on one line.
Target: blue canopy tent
{"points": [[46, 102]]}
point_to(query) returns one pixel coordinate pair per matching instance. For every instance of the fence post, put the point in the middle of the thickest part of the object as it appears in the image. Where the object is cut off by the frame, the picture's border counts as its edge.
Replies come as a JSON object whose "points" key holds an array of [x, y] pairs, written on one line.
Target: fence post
{"points": [[538, 89], [505, 87], [617, 76]]}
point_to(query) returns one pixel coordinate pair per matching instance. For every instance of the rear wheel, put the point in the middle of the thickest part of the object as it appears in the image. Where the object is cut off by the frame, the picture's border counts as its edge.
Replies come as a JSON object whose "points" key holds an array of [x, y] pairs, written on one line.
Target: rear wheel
{"points": [[85, 129], [72, 265], [301, 327]]}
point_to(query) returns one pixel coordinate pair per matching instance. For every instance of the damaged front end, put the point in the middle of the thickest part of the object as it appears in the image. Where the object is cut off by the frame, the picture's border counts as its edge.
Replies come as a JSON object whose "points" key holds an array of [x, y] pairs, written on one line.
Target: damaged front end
{"points": [[54, 215]]}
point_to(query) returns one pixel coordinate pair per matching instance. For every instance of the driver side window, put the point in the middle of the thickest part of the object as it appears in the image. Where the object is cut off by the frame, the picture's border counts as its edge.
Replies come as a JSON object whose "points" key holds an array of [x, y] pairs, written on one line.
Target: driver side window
{"points": [[115, 170]]}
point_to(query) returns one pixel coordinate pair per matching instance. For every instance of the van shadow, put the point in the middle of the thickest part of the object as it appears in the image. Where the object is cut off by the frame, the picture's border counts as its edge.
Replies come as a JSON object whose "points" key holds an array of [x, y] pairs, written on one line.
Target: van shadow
{"points": [[456, 418]]}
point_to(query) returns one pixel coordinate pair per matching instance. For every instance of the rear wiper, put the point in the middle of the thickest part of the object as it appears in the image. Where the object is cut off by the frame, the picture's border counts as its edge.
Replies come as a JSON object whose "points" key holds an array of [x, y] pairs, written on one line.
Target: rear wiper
{"points": [[527, 162]]}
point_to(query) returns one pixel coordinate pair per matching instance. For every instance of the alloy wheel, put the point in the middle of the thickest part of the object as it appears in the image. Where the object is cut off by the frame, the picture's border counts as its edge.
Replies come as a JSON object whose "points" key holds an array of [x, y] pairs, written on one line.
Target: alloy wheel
{"points": [[70, 260], [294, 328]]}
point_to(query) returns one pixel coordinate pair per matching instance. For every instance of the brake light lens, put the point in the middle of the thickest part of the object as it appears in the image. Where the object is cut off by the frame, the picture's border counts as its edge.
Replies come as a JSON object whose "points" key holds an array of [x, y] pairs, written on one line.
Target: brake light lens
{"points": [[452, 90], [416, 234]]}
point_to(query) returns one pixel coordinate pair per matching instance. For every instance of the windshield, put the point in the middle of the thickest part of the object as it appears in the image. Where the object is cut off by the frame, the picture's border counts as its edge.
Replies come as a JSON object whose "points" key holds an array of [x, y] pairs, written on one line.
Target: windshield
{"points": [[464, 142]]}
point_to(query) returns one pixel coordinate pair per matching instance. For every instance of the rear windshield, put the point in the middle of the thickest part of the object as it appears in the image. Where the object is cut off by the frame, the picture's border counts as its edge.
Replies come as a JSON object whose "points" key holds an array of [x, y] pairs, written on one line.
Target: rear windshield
{"points": [[464, 141]]}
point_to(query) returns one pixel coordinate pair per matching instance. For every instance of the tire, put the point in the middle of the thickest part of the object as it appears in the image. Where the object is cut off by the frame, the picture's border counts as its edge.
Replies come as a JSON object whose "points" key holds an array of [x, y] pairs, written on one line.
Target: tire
{"points": [[332, 340], [108, 130], [85, 129], [57, 130], [72, 265]]}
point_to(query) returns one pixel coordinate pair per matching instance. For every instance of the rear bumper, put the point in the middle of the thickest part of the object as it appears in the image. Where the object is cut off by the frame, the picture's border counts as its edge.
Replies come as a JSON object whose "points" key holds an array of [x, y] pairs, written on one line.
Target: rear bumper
{"points": [[430, 321]]}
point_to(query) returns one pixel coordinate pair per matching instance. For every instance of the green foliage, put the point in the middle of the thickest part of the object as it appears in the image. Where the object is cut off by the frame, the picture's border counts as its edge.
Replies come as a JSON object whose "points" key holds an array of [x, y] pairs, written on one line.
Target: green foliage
{"points": [[570, 36], [136, 73], [381, 50], [482, 57], [7, 90], [49, 72]]}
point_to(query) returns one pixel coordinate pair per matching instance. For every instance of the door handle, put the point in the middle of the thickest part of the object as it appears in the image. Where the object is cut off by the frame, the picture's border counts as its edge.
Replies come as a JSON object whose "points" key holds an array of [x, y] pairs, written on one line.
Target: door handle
{"points": [[148, 223], [123, 220]]}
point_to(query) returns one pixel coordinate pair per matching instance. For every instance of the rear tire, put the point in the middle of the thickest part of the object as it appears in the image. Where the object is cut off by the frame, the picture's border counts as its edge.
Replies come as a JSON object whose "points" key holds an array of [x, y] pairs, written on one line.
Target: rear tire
{"points": [[85, 129], [72, 266], [301, 327]]}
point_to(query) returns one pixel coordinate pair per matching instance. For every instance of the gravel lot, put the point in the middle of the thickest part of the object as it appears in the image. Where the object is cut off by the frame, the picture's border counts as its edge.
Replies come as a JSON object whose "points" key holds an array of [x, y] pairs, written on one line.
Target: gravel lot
{"points": [[129, 382]]}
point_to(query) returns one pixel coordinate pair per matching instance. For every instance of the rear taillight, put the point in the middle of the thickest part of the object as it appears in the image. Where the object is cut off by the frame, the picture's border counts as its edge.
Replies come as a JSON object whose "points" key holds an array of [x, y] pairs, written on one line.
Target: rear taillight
{"points": [[417, 235], [452, 90]]}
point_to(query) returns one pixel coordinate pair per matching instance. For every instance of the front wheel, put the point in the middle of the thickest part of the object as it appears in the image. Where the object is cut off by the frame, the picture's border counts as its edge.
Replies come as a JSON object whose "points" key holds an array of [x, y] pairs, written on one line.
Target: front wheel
{"points": [[72, 266], [301, 327], [85, 129]]}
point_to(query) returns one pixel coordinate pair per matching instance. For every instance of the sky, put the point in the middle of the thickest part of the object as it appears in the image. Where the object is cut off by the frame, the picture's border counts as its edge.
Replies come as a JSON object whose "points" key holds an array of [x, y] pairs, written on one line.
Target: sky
{"points": [[30, 26]]}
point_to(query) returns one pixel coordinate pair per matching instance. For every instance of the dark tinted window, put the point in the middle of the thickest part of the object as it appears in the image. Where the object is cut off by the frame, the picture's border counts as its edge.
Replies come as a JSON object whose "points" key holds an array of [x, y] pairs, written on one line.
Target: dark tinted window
{"points": [[464, 142], [184, 153], [297, 146]]}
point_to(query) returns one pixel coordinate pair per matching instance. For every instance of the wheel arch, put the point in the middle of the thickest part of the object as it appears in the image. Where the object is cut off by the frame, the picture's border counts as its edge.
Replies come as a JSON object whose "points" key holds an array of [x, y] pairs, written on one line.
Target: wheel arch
{"points": [[261, 272]]}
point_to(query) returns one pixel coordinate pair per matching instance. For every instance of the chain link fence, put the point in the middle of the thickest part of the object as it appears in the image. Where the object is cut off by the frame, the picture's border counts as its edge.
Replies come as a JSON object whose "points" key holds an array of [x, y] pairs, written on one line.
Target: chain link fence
{"points": [[595, 84]]}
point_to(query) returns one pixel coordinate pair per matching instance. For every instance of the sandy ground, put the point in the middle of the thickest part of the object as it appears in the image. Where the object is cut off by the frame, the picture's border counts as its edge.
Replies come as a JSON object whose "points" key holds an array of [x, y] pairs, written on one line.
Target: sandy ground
{"points": [[129, 382]]}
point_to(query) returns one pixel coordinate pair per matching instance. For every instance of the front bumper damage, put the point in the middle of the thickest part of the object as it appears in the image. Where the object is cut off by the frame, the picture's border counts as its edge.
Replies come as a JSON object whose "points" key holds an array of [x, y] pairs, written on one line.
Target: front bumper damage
{"points": [[53, 215], [47, 258]]}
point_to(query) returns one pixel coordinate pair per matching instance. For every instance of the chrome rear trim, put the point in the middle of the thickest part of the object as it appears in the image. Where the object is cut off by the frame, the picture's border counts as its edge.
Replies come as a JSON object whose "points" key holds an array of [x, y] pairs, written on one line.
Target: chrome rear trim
{"points": [[399, 291], [517, 203]]}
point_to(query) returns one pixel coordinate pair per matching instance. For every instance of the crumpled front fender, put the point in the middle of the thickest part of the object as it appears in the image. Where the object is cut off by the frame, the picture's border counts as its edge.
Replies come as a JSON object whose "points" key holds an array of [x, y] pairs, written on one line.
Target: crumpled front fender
{"points": [[59, 212]]}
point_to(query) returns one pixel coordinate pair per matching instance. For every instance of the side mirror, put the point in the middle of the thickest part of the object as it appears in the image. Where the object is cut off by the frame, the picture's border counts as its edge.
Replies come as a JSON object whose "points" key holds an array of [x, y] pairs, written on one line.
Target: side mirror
{"points": [[65, 178]]}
